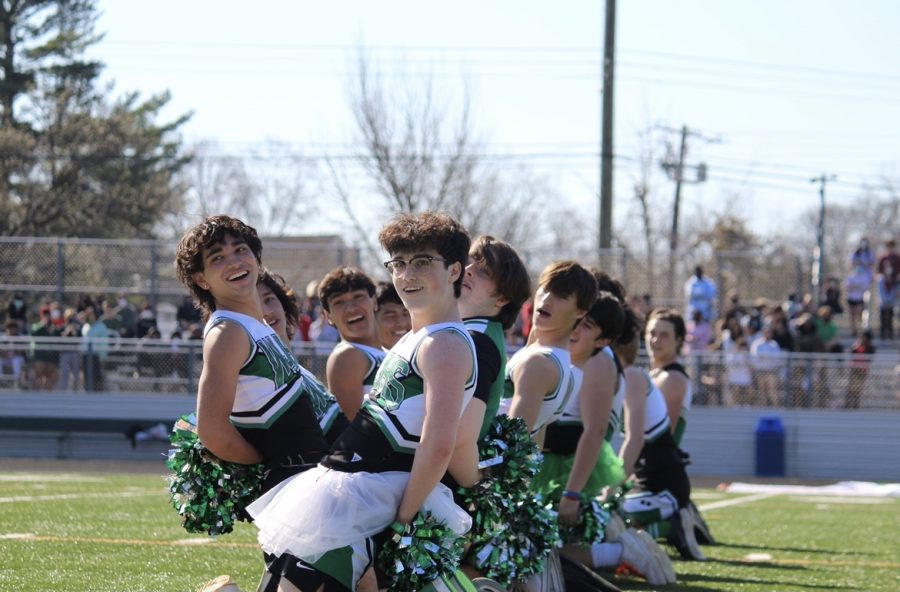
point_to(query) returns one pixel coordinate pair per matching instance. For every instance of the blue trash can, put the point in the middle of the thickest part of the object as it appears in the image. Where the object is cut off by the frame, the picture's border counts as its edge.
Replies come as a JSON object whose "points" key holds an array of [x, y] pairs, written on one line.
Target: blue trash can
{"points": [[770, 447]]}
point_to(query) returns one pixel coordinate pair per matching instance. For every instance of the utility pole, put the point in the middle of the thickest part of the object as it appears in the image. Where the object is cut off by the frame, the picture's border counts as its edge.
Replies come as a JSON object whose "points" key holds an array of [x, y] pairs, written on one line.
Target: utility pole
{"points": [[818, 269], [679, 177], [606, 150], [675, 171]]}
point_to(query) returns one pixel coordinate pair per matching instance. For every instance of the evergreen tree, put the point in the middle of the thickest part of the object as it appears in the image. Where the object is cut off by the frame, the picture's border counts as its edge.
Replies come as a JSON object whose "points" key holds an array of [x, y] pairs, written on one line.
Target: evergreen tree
{"points": [[74, 161]]}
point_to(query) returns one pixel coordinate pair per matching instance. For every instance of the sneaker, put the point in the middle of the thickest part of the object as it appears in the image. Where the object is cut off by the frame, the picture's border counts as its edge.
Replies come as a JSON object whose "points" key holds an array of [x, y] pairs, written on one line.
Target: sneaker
{"points": [[701, 529], [220, 584], [682, 536], [641, 559], [660, 553], [615, 526]]}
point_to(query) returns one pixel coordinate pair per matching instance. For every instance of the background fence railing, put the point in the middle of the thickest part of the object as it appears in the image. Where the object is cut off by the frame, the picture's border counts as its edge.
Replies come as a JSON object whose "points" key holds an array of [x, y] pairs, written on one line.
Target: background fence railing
{"points": [[46, 268], [161, 365], [62, 268]]}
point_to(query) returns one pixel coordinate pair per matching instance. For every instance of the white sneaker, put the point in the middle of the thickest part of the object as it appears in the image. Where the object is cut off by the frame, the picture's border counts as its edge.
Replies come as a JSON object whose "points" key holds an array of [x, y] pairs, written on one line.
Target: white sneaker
{"points": [[640, 559], [660, 553], [701, 529], [220, 584], [683, 536]]}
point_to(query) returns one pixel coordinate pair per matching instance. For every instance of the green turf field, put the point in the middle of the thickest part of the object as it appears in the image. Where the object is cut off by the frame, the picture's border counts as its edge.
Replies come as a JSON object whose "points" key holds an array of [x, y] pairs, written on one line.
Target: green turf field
{"points": [[117, 533]]}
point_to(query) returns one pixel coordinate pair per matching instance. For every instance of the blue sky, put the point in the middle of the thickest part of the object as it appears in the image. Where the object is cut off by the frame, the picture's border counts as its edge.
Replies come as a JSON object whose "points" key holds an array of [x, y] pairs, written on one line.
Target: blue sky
{"points": [[788, 89]]}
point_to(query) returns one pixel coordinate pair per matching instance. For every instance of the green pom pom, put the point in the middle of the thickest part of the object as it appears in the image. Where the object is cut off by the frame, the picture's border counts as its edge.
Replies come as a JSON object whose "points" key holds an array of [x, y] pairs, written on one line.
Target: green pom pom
{"points": [[512, 532], [210, 494], [419, 552], [591, 527]]}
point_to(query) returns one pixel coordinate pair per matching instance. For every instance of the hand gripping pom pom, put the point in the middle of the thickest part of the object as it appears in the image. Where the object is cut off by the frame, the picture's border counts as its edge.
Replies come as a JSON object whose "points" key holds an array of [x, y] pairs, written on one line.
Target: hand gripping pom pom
{"points": [[210, 494], [420, 552], [512, 532], [591, 527]]}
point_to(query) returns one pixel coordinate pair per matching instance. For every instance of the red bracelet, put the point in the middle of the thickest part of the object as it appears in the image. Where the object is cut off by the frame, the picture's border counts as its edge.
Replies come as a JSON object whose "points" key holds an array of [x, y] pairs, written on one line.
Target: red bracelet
{"points": [[572, 495]]}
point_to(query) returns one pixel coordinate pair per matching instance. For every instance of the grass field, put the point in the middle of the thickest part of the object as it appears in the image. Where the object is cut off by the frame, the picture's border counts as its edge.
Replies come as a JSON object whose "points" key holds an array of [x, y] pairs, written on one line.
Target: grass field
{"points": [[115, 532]]}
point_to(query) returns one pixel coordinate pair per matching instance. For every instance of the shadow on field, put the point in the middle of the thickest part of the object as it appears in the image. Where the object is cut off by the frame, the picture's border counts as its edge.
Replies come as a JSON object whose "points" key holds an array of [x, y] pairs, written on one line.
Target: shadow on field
{"points": [[829, 552], [729, 584]]}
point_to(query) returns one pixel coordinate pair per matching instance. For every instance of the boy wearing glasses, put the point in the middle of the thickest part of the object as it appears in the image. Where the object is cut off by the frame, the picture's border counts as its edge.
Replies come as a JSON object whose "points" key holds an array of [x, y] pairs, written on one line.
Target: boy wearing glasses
{"points": [[348, 302], [387, 465]]}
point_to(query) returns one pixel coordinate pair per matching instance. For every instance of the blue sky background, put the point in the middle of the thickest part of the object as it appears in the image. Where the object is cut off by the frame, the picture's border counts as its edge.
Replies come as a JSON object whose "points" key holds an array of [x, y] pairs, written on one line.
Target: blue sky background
{"points": [[790, 89]]}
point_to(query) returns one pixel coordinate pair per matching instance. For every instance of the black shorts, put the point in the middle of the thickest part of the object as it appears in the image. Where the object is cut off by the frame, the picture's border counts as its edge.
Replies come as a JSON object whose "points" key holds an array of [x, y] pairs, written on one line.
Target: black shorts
{"points": [[661, 467]]}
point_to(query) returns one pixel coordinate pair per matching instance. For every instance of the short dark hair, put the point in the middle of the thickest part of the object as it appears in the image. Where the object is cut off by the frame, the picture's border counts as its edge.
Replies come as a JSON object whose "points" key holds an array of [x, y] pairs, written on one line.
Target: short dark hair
{"points": [[505, 267], [189, 255], [341, 280], [607, 283], [429, 230], [565, 278], [607, 313], [628, 342], [286, 297], [386, 293]]}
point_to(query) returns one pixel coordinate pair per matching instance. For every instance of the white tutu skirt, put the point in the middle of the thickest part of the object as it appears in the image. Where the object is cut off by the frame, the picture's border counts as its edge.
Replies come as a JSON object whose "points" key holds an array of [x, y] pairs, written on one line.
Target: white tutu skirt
{"points": [[322, 509]]}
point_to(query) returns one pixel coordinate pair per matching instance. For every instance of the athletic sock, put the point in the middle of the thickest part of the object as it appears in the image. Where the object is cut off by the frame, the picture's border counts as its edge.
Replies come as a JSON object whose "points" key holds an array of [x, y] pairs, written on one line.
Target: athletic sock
{"points": [[606, 554]]}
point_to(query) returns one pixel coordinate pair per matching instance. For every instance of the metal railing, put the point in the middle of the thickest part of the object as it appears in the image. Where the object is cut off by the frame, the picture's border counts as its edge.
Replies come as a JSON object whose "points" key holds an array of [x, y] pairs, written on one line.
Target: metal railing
{"points": [[839, 380], [62, 268], [117, 364]]}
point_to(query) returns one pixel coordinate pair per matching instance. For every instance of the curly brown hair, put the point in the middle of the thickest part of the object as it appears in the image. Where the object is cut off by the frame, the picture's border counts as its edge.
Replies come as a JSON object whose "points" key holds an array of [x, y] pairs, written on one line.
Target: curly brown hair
{"points": [[413, 233], [189, 255], [341, 280]]}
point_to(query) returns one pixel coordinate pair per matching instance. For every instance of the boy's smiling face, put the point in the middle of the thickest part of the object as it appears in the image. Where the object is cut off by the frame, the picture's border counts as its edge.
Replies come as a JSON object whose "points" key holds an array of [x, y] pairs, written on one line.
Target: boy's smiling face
{"points": [[229, 267], [353, 313]]}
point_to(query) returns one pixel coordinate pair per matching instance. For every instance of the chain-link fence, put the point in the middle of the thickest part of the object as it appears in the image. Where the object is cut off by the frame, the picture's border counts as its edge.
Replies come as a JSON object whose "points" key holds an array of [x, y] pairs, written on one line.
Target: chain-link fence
{"points": [[762, 273], [157, 365], [117, 364], [61, 269]]}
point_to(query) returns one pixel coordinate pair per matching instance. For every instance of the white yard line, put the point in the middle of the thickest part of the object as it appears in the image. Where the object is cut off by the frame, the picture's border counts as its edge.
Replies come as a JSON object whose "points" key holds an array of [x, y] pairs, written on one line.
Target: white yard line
{"points": [[69, 496], [46, 477], [736, 502]]}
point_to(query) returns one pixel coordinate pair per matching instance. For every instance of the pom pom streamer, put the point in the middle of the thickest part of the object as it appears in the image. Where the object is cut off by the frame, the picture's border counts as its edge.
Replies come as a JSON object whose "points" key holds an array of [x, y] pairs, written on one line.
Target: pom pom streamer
{"points": [[591, 527], [209, 494], [512, 532], [419, 552]]}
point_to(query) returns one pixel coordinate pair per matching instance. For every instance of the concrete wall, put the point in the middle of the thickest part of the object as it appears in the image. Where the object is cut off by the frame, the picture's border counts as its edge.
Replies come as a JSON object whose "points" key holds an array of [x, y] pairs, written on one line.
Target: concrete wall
{"points": [[824, 444], [827, 444]]}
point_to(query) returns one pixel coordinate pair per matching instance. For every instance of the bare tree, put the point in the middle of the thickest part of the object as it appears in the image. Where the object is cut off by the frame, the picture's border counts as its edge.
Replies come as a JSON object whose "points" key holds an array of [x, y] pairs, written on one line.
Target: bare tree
{"points": [[420, 155], [268, 186]]}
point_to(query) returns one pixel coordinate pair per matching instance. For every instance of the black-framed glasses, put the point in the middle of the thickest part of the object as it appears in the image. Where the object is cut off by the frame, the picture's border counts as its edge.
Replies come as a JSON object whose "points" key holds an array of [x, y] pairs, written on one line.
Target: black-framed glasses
{"points": [[419, 264]]}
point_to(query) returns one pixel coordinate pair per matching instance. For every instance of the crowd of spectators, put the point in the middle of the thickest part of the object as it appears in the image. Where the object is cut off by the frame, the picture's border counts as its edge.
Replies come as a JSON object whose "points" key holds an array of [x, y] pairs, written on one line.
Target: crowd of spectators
{"points": [[746, 343], [50, 346]]}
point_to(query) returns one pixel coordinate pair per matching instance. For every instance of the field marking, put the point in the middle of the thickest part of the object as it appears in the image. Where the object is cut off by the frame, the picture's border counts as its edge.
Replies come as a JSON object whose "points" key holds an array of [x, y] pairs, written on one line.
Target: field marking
{"points": [[26, 537], [828, 499], [71, 496], [716, 495], [46, 477], [842, 563], [736, 502]]}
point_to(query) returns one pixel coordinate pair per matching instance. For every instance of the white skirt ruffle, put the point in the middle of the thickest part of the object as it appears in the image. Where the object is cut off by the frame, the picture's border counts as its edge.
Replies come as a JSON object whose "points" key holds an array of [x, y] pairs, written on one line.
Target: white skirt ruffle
{"points": [[322, 509]]}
